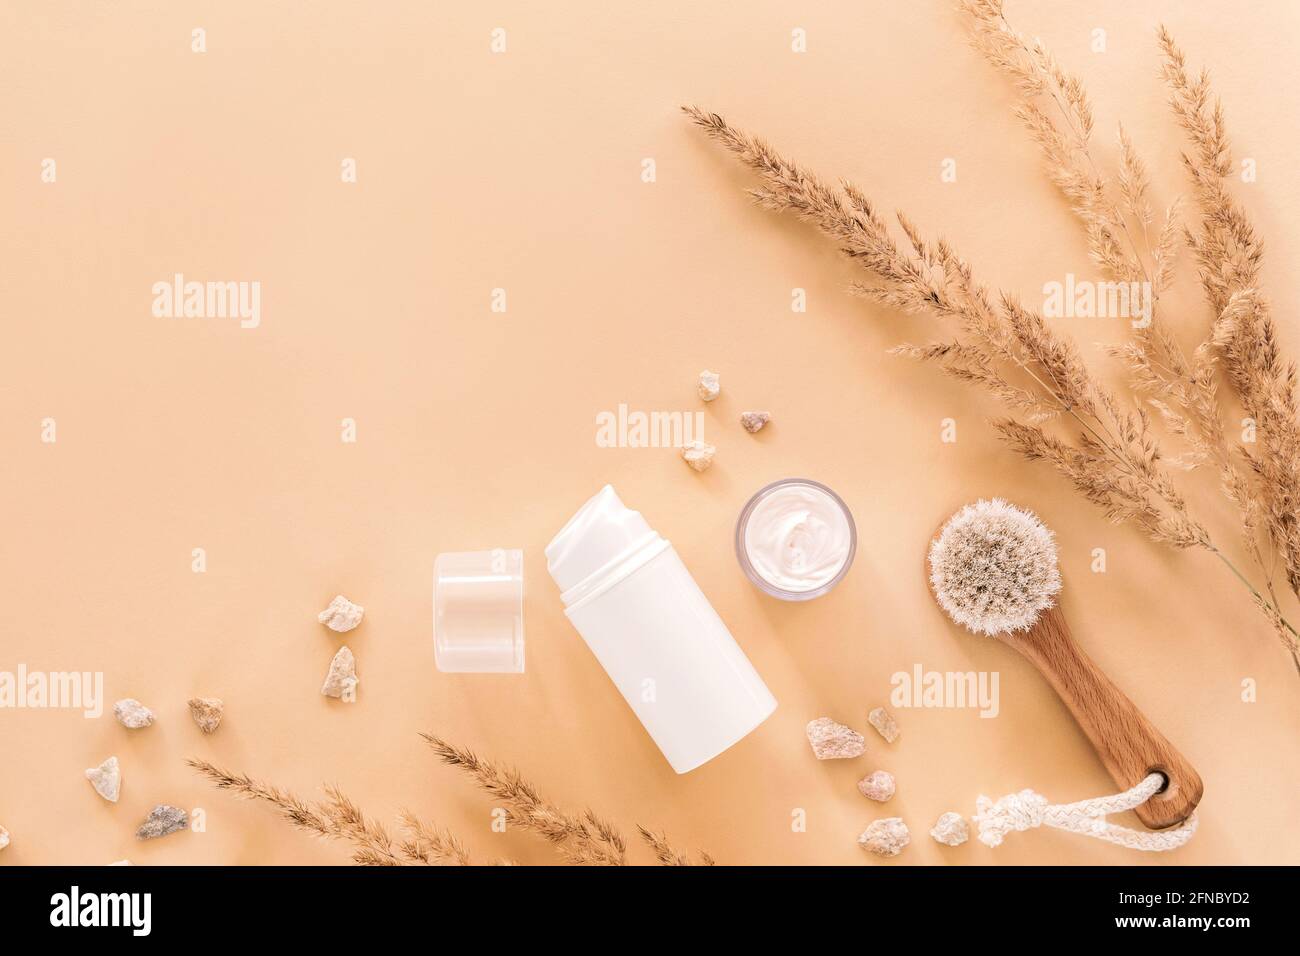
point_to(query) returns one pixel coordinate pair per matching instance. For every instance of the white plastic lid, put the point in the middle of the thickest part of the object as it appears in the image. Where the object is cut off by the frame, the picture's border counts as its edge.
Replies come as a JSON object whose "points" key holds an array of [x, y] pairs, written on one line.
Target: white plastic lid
{"points": [[478, 612]]}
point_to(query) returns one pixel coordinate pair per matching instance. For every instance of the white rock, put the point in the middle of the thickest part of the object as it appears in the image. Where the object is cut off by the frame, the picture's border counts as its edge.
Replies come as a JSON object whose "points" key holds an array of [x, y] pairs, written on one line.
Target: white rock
{"points": [[341, 681], [342, 615], [753, 422], [885, 837], [951, 829], [699, 454], [131, 713], [207, 712], [710, 385], [878, 786], [122, 863], [884, 723], [106, 779], [4, 838], [832, 741]]}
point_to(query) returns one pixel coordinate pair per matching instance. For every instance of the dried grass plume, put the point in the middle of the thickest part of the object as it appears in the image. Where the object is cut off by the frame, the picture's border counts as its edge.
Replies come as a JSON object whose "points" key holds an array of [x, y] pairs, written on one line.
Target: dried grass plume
{"points": [[583, 839], [338, 818], [1110, 447]]}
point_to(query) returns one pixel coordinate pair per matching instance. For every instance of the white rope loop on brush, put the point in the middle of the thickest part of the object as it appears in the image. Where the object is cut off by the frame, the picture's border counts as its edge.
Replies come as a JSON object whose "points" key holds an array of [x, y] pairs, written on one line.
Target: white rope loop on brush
{"points": [[1026, 810]]}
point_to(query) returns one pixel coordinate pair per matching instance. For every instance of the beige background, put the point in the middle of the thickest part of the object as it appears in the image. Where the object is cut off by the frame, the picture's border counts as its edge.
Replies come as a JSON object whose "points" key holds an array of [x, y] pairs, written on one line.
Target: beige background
{"points": [[477, 429]]}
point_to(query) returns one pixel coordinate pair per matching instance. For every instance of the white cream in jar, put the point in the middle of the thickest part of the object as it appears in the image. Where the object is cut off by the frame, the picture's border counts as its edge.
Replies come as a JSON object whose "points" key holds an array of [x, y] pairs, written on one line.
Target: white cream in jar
{"points": [[795, 539]]}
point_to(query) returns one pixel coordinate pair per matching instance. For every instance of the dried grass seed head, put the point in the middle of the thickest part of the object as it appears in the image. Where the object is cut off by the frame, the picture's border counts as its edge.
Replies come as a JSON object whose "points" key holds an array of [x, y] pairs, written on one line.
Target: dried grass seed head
{"points": [[993, 567]]}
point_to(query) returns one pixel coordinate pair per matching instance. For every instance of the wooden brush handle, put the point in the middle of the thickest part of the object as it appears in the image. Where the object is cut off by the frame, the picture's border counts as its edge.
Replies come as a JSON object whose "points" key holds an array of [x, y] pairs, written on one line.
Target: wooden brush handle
{"points": [[1128, 744]]}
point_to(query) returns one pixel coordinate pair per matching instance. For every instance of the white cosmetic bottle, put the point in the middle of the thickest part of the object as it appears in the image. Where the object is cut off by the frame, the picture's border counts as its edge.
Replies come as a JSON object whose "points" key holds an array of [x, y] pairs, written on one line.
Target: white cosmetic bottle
{"points": [[655, 633]]}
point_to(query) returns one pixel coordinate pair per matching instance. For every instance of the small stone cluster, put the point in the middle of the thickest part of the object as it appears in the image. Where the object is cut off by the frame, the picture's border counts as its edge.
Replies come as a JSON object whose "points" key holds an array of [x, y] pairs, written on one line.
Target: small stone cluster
{"points": [[341, 679], [831, 740], [698, 454], [207, 713]]}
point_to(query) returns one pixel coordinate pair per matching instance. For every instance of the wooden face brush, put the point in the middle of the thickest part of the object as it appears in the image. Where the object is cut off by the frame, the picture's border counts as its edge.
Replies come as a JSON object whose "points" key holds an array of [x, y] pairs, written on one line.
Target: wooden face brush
{"points": [[993, 570]]}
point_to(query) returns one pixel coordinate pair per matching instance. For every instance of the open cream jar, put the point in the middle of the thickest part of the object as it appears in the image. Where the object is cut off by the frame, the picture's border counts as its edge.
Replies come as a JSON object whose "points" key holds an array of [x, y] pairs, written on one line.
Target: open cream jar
{"points": [[795, 539]]}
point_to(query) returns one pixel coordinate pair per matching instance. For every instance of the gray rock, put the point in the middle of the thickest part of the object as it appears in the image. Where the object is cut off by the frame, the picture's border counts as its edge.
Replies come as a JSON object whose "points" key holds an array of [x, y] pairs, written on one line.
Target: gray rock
{"points": [[131, 713], [162, 820], [753, 422], [832, 741], [106, 779]]}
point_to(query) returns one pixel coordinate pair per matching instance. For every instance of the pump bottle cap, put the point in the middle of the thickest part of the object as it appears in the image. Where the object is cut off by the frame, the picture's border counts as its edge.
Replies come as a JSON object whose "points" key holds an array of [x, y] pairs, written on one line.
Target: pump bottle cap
{"points": [[602, 542]]}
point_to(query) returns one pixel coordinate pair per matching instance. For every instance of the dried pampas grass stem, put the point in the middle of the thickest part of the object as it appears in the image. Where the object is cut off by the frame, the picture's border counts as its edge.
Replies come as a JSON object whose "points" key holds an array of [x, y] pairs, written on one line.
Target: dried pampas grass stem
{"points": [[338, 818], [666, 854], [1113, 456], [586, 839]]}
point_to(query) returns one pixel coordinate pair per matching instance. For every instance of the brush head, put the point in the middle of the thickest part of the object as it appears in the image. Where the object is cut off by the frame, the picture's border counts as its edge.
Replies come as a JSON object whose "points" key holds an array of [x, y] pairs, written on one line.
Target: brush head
{"points": [[993, 568]]}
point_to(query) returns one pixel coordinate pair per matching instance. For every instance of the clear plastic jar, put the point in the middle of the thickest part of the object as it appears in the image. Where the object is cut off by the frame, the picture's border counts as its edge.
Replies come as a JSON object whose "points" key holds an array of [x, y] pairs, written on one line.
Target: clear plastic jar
{"points": [[795, 539]]}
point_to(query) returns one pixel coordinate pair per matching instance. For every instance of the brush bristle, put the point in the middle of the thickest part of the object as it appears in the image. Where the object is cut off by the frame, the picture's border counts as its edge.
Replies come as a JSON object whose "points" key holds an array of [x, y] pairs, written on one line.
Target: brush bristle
{"points": [[993, 567]]}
